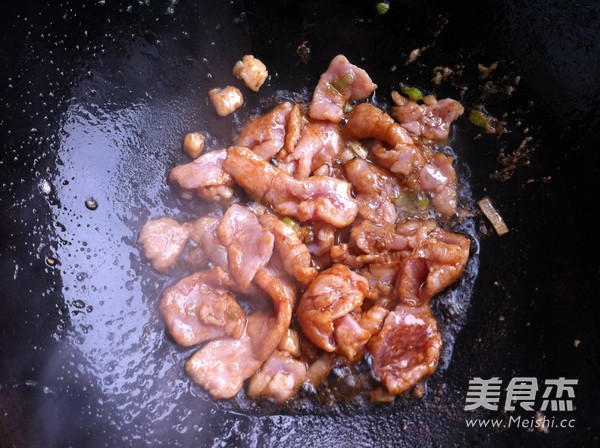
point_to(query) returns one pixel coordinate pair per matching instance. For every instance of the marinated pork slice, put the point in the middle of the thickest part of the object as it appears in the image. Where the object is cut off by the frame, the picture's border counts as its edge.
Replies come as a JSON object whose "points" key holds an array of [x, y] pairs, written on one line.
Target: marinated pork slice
{"points": [[437, 259], [282, 292], [279, 378], [163, 240], [375, 189], [335, 293], [341, 83], [406, 349], [249, 245], [265, 135], [204, 234], [319, 144], [368, 121], [222, 365], [205, 176], [431, 121], [199, 308], [417, 166], [372, 238], [315, 198], [293, 252]]}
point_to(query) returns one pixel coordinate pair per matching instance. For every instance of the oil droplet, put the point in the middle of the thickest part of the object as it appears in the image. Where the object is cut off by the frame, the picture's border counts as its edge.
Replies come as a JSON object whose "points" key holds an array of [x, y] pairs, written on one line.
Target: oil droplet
{"points": [[45, 186], [91, 204], [51, 262], [79, 304], [81, 276]]}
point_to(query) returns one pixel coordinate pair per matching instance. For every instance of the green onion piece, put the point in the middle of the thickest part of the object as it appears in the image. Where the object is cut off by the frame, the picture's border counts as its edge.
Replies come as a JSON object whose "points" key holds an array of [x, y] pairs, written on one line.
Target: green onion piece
{"points": [[290, 222], [478, 118], [331, 88], [423, 202], [412, 92], [406, 199], [382, 8], [343, 81], [359, 150]]}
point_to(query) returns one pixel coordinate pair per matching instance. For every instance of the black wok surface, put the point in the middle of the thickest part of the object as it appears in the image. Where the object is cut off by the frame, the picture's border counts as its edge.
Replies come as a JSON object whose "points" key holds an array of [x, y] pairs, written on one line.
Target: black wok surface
{"points": [[95, 98]]}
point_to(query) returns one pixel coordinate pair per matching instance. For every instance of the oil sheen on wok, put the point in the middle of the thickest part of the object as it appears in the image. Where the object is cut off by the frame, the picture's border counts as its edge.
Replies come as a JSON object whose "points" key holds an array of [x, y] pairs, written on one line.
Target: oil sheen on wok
{"points": [[336, 223]]}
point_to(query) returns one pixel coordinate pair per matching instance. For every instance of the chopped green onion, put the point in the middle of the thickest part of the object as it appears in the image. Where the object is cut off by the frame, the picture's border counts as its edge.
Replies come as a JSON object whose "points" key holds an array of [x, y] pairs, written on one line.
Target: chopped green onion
{"points": [[290, 222], [412, 92], [406, 199], [492, 214], [347, 155], [333, 90], [423, 202], [477, 118], [359, 150], [343, 81], [382, 8], [348, 108]]}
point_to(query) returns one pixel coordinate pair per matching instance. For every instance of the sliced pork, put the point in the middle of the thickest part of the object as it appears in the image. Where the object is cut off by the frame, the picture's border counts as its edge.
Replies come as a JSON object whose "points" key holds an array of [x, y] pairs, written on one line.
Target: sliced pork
{"points": [[265, 135], [200, 308], [205, 176], [163, 240], [335, 293], [249, 245], [431, 121], [407, 348], [341, 83], [315, 198], [437, 259], [279, 378]]}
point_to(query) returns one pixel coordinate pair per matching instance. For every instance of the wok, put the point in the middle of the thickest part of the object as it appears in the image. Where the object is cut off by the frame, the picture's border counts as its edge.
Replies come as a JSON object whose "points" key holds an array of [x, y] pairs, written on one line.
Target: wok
{"points": [[95, 99]]}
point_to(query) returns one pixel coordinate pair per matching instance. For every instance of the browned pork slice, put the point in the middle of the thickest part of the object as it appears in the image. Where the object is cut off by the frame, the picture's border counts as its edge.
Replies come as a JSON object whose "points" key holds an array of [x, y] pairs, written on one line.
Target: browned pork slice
{"points": [[315, 198], [417, 166], [205, 176], [341, 83], [335, 293], [437, 259], [265, 135], [375, 189], [293, 252], [279, 378], [249, 245], [319, 143], [431, 121], [406, 349], [163, 240], [199, 308]]}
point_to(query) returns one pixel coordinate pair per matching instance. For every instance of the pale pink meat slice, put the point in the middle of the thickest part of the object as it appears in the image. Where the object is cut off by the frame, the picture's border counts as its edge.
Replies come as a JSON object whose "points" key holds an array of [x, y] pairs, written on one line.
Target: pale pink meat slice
{"points": [[340, 83], [205, 176], [375, 189], [279, 378], [199, 308], [293, 252], [315, 198], [334, 293], [417, 166], [436, 260], [407, 348], [431, 121], [265, 135], [319, 143], [371, 237], [222, 365], [163, 240], [249, 245], [204, 234]]}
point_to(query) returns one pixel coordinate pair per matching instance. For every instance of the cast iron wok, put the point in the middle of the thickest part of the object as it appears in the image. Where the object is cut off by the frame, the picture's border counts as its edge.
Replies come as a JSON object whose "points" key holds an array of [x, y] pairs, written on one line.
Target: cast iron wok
{"points": [[95, 98]]}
